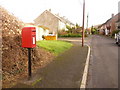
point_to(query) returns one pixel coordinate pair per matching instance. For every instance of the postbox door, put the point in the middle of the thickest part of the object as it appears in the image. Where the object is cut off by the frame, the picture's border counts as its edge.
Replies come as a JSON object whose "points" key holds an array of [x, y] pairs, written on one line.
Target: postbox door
{"points": [[33, 37], [29, 37]]}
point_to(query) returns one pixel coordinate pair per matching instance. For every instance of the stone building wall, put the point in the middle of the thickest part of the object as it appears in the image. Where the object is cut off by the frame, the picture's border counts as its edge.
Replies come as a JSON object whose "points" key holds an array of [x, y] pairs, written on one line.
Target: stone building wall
{"points": [[49, 20]]}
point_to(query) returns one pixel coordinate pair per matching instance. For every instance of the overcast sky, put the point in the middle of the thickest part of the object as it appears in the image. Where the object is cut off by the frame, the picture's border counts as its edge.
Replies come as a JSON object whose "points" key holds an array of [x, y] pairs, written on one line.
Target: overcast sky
{"points": [[98, 10]]}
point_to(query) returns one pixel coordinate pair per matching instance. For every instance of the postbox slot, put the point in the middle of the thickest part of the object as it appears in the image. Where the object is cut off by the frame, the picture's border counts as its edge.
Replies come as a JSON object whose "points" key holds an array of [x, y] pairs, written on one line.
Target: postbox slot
{"points": [[33, 30]]}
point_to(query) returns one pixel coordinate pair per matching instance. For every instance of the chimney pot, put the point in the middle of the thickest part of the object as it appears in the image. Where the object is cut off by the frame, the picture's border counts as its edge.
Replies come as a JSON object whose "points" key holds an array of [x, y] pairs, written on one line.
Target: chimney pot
{"points": [[50, 10], [112, 15]]}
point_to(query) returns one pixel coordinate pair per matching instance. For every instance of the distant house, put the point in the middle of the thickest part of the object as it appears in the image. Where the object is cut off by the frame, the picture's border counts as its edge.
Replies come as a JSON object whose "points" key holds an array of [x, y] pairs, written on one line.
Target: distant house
{"points": [[101, 28], [118, 24], [54, 22], [110, 25], [40, 30]]}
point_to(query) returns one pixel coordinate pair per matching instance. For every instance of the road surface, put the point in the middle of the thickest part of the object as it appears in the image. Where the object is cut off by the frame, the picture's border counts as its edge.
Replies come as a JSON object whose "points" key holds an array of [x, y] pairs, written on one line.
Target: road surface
{"points": [[103, 69]]}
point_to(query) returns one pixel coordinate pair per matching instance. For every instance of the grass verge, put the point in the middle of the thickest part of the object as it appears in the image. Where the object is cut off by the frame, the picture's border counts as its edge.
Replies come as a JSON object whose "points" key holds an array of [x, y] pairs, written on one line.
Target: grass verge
{"points": [[54, 46]]}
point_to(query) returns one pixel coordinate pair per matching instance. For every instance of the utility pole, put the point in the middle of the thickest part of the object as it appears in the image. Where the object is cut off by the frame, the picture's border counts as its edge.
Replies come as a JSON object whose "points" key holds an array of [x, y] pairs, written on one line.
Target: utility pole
{"points": [[87, 21], [83, 23]]}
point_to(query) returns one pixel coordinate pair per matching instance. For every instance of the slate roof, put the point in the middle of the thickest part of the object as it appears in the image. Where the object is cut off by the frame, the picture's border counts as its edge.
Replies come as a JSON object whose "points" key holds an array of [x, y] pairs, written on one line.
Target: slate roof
{"points": [[62, 19]]}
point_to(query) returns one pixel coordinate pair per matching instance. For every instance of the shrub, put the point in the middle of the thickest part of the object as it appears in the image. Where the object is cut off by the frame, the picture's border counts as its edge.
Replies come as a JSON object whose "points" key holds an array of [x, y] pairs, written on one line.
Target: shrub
{"points": [[70, 35], [115, 32]]}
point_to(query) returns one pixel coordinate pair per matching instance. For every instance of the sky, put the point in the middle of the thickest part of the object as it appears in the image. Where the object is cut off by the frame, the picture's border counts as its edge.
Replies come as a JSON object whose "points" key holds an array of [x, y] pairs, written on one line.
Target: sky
{"points": [[98, 10]]}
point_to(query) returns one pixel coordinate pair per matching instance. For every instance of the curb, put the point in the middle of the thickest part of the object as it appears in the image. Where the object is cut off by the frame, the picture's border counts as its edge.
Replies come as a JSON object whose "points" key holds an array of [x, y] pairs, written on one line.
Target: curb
{"points": [[85, 73]]}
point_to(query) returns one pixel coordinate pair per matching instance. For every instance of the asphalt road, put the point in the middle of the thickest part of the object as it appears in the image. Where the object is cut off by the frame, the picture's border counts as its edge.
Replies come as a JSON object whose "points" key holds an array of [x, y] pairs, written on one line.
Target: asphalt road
{"points": [[103, 69]]}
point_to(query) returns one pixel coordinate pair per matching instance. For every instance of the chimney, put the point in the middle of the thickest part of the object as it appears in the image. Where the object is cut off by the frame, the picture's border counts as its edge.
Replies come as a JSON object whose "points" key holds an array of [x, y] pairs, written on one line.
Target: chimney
{"points": [[64, 17], [50, 10], [57, 14], [112, 15]]}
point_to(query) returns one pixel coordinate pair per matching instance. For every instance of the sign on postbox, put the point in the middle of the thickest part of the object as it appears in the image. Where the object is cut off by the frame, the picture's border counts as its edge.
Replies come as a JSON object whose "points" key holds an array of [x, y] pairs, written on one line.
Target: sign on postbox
{"points": [[29, 37]]}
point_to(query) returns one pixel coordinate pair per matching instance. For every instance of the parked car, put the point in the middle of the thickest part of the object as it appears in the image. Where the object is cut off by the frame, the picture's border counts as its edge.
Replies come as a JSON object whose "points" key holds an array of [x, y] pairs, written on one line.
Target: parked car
{"points": [[117, 38]]}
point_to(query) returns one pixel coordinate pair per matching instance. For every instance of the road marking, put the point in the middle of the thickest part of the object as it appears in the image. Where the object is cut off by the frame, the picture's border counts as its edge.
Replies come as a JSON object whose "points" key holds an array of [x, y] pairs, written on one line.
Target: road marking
{"points": [[85, 73]]}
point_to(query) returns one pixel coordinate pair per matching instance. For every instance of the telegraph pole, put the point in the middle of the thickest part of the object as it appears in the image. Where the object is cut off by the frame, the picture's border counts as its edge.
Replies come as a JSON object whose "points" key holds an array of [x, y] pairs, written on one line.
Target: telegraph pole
{"points": [[83, 23], [87, 21]]}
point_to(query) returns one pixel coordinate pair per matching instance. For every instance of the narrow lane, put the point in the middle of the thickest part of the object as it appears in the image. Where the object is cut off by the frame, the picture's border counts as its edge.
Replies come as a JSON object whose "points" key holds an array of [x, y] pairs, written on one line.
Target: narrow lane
{"points": [[103, 70]]}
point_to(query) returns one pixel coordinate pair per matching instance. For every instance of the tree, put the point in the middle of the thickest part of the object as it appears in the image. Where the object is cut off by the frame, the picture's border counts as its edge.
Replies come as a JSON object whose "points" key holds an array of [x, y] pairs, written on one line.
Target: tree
{"points": [[69, 28], [93, 30], [77, 26]]}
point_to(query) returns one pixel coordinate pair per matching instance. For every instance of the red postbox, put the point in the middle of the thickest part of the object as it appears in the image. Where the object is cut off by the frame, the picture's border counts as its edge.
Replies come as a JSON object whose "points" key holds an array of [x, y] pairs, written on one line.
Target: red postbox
{"points": [[29, 37]]}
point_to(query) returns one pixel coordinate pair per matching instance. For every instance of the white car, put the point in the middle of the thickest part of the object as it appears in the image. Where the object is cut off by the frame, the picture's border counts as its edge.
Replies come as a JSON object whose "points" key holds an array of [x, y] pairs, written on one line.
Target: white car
{"points": [[117, 38]]}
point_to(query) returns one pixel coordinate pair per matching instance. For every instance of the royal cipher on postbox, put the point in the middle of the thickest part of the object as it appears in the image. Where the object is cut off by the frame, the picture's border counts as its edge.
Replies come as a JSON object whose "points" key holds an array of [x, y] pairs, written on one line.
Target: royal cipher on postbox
{"points": [[29, 37]]}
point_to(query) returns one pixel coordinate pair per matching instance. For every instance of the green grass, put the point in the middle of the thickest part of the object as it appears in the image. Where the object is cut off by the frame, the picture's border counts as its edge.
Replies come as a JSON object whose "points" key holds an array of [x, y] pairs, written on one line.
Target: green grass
{"points": [[54, 46], [70, 35]]}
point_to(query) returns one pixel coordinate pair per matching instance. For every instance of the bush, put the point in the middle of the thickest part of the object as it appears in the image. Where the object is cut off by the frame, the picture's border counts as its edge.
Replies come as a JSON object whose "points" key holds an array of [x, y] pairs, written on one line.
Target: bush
{"points": [[94, 30], [70, 35], [86, 35], [115, 32]]}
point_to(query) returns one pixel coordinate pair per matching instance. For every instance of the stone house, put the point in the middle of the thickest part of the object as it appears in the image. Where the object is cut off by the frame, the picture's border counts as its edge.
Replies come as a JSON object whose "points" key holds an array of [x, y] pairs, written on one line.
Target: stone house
{"points": [[54, 22], [40, 30], [118, 24], [110, 24]]}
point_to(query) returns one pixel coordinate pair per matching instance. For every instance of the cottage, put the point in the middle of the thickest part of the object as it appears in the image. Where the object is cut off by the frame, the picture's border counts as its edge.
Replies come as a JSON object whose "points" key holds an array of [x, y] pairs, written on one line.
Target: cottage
{"points": [[40, 30], [118, 24], [54, 22], [110, 25]]}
